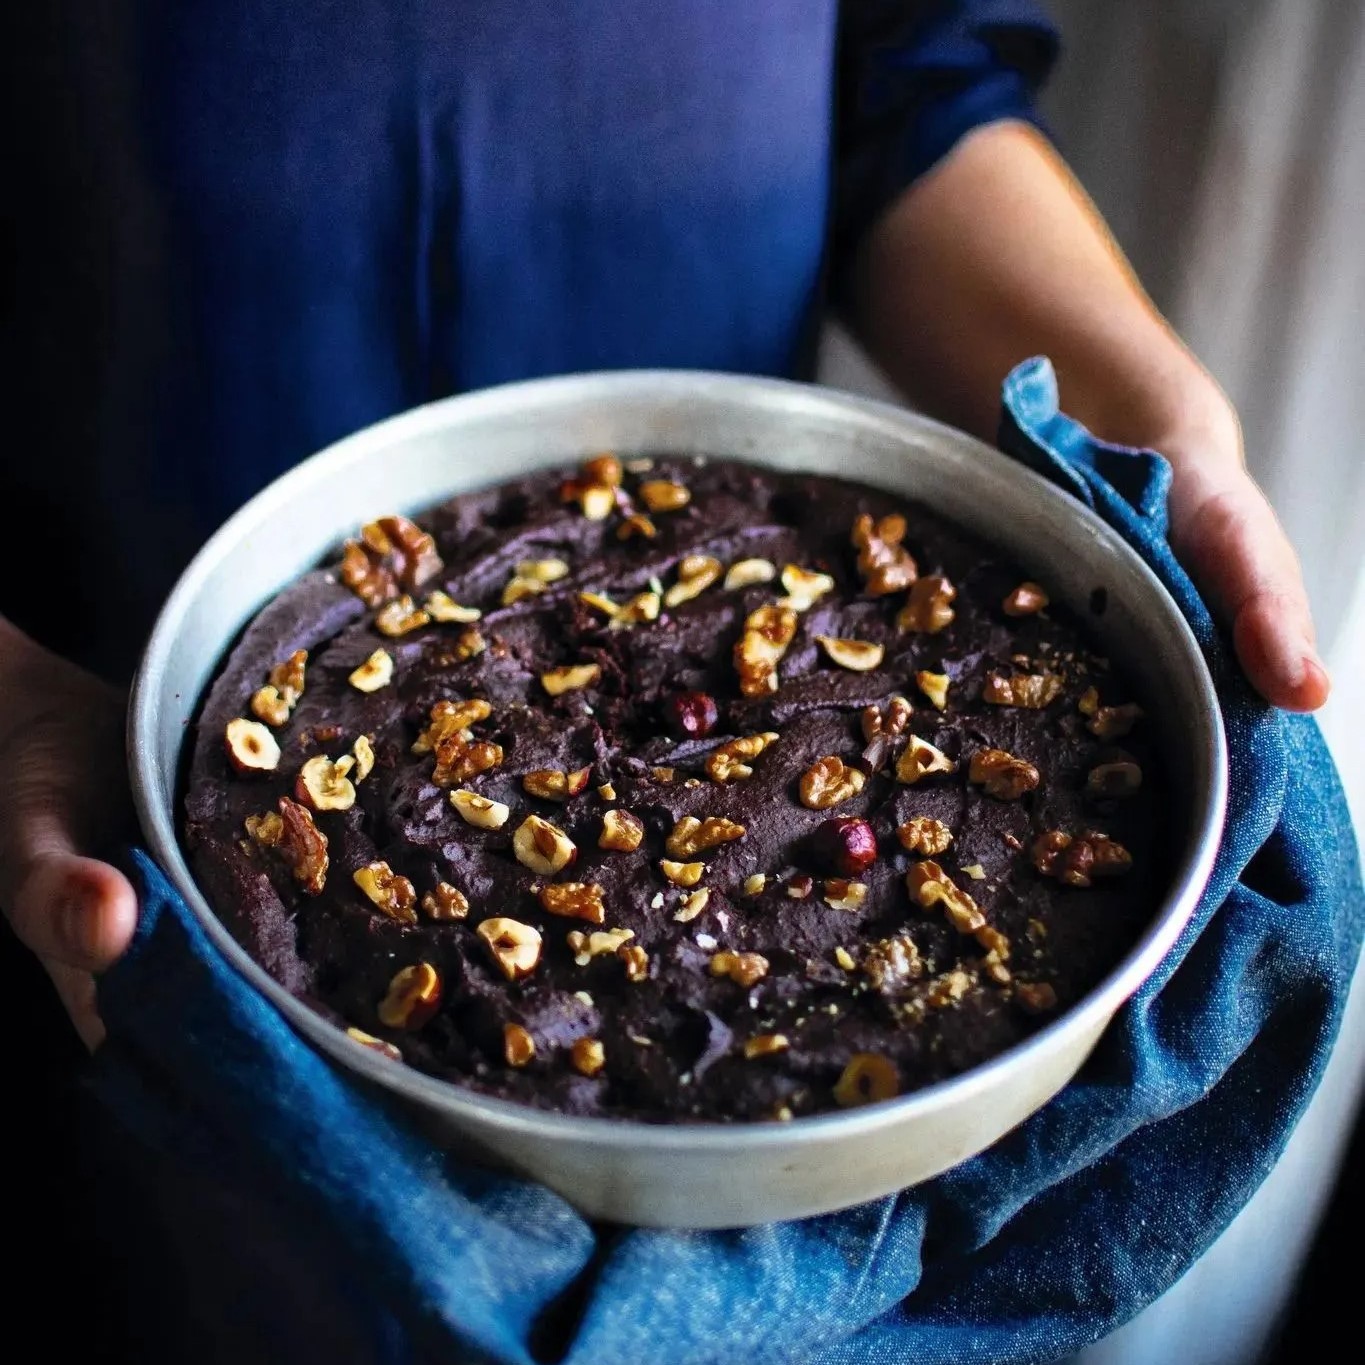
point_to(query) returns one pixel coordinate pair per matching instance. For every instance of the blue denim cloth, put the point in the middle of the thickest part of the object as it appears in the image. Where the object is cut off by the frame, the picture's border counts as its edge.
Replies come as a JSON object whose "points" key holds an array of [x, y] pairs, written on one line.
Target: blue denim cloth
{"points": [[1057, 1234]]}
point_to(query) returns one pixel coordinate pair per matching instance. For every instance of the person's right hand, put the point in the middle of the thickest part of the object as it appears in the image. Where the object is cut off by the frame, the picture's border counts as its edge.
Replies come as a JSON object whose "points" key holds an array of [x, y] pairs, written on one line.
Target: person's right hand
{"points": [[63, 795]]}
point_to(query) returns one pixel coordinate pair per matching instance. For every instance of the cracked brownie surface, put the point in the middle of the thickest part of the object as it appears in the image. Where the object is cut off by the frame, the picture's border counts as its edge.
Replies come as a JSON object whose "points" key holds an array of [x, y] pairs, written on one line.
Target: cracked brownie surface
{"points": [[680, 790]]}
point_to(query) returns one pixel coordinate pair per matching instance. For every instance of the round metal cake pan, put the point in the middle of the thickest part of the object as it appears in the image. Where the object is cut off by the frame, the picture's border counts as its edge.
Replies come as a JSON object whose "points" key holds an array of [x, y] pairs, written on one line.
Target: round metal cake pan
{"points": [[688, 1174]]}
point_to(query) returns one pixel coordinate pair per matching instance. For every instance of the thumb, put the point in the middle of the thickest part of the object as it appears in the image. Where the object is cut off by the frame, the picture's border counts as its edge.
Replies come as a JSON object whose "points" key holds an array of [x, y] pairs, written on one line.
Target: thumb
{"points": [[74, 910]]}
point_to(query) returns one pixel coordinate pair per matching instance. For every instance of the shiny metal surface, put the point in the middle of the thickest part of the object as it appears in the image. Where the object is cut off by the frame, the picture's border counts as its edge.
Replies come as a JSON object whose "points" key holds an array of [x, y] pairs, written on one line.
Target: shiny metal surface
{"points": [[690, 1175]]}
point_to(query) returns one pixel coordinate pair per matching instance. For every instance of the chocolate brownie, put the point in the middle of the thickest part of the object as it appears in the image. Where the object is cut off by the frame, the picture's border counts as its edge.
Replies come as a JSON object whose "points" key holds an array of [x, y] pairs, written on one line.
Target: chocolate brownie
{"points": [[683, 790]]}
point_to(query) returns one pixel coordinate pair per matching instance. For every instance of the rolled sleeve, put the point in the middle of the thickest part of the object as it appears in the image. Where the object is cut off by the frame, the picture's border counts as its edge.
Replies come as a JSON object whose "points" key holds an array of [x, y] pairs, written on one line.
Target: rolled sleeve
{"points": [[913, 79]]}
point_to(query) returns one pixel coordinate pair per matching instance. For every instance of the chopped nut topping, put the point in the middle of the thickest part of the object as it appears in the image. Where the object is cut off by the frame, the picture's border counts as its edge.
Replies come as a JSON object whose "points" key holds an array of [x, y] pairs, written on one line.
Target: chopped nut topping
{"points": [[597, 501], [518, 1047], [887, 721], [641, 609], [574, 900], [948, 989], [800, 886], [867, 1079], [842, 894], [804, 587], [935, 687], [458, 760], [603, 469], [622, 832], [923, 834], [691, 715], [858, 656], [541, 847], [600, 602], [682, 874], [386, 889], [583, 998], [588, 1056], [479, 811], [890, 963], [927, 608], [754, 883], [595, 492], [543, 570], [399, 617], [1030, 690], [745, 573], [636, 524], [1120, 778], [374, 673], [411, 550], [251, 748], [729, 763], [1004, 777], [366, 575], [552, 785], [514, 946], [468, 644], [921, 759], [363, 750], [414, 995], [845, 845], [885, 565], [268, 705], [828, 782], [445, 902], [930, 885], [662, 775], [1108, 722], [767, 634], [1025, 600], [696, 573], [607, 792], [975, 871], [324, 785], [301, 843], [442, 607], [764, 1044], [691, 836], [572, 678], [517, 588], [1077, 860], [662, 495], [450, 720], [284, 686], [599, 943], [635, 960], [1035, 997], [744, 969], [379, 1045], [692, 906], [843, 958]]}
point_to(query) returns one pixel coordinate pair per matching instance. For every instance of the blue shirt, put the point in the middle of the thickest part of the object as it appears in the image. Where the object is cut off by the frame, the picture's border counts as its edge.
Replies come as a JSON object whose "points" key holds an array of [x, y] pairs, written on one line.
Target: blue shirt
{"points": [[252, 227]]}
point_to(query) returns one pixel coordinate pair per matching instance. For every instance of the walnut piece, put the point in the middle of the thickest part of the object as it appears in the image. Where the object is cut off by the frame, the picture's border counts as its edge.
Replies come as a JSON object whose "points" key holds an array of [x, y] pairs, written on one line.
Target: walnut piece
{"points": [[767, 634], [635, 960], [459, 756], [923, 834], [388, 891], [552, 785], [445, 902], [691, 836], [930, 885], [1032, 691], [890, 963], [298, 840], [518, 1047], [729, 763], [663, 495], [746, 573], [935, 687], [451, 719], [284, 686], [442, 607], [600, 942], [542, 847], [887, 721], [858, 656], [1026, 600], [250, 746], [513, 946], [867, 1079], [479, 811], [324, 785], [570, 678], [884, 563], [696, 573], [1119, 778], [927, 609], [1108, 722], [744, 969], [921, 759], [1001, 774], [376, 672], [754, 883], [363, 751], [408, 551], [1076, 860], [574, 900], [804, 587], [828, 782], [622, 832], [400, 617], [365, 573], [413, 997], [692, 906]]}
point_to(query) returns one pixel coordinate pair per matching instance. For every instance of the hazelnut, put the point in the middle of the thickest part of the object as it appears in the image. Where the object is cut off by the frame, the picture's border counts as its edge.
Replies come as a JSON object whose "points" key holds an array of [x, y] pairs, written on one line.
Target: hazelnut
{"points": [[414, 995], [696, 573], [514, 946], [927, 609], [841, 894], [622, 832], [440, 606], [479, 811], [885, 565], [268, 705], [1002, 775], [518, 1047], [858, 656], [682, 874], [374, 1044], [1035, 997], [920, 759], [765, 1044], [588, 1056], [745, 573], [541, 847], [828, 782], [662, 495], [1025, 600], [754, 883], [846, 845], [445, 902], [800, 886], [691, 715], [387, 890], [767, 634], [1117, 779], [867, 1079], [324, 785], [552, 785], [1077, 860], [603, 469], [600, 942], [691, 836], [692, 906], [251, 748], [607, 792], [1032, 691], [574, 900], [804, 588], [925, 835], [400, 617], [845, 960], [572, 678], [744, 969], [363, 752], [935, 687], [728, 762]]}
